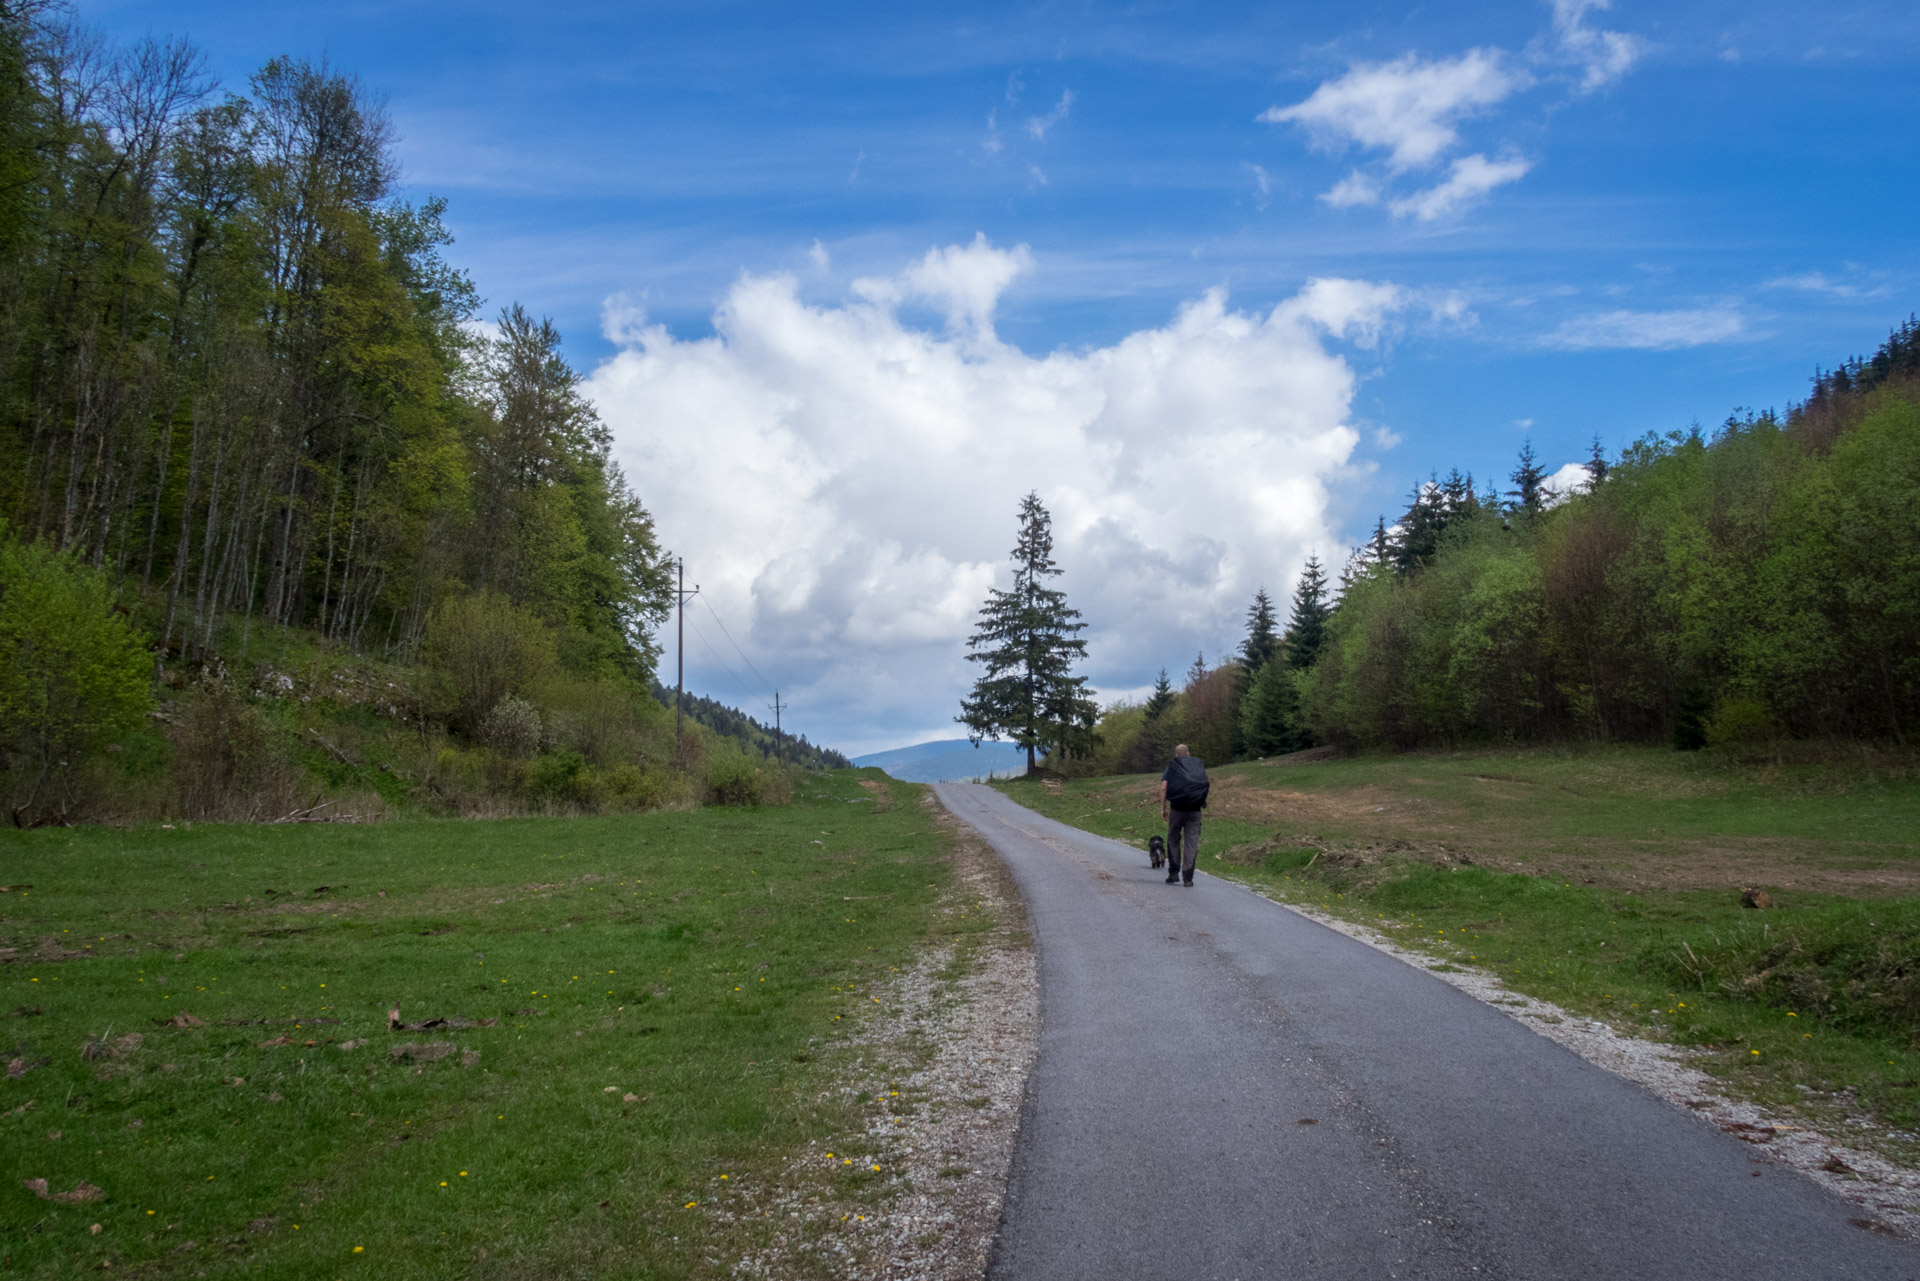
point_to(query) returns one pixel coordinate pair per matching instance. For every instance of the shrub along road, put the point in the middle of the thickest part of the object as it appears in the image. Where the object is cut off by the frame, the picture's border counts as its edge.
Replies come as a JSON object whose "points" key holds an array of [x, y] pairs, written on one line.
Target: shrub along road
{"points": [[1228, 1090]]}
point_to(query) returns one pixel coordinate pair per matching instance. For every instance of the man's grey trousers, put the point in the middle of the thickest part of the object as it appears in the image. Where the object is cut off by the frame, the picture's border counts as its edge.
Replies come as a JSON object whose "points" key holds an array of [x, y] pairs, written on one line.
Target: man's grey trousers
{"points": [[1178, 822]]}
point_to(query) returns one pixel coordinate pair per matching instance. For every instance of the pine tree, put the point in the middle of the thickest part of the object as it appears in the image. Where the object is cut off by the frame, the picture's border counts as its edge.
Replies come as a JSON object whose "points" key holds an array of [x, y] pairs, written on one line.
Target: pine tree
{"points": [[1529, 479], [1159, 730], [1307, 628], [1028, 640], [1597, 465], [1161, 699], [1262, 644], [1421, 527], [1262, 641], [1269, 714]]}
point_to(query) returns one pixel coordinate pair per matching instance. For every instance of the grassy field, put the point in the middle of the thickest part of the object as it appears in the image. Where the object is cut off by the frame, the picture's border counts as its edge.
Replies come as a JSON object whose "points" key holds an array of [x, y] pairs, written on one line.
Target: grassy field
{"points": [[1610, 881], [605, 1023]]}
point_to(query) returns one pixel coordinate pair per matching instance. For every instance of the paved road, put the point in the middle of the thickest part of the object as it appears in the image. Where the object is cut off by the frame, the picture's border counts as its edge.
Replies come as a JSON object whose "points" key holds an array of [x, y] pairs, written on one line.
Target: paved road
{"points": [[1187, 1034]]}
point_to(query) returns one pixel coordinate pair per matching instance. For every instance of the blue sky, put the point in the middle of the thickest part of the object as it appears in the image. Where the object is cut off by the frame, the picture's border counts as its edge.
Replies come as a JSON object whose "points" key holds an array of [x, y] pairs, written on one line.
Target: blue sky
{"points": [[1658, 213]]}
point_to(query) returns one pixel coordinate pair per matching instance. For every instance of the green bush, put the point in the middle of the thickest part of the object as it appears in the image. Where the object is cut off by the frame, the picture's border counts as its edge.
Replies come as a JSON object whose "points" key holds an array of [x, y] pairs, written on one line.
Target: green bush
{"points": [[480, 649], [74, 675], [226, 764], [732, 778], [564, 776], [512, 728], [1739, 724]]}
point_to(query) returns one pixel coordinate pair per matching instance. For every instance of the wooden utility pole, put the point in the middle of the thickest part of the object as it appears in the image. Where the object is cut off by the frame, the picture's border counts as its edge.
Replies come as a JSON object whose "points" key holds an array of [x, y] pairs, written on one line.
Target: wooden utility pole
{"points": [[779, 744], [680, 661]]}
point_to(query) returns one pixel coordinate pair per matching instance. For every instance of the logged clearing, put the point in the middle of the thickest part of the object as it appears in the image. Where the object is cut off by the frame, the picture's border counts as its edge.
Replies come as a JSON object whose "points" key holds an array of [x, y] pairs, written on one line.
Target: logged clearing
{"points": [[1623, 818], [1610, 881]]}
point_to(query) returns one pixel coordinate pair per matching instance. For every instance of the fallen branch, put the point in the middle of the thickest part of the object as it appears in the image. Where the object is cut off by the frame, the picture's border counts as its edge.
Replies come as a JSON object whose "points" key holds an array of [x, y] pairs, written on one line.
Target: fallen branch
{"points": [[309, 816], [338, 755]]}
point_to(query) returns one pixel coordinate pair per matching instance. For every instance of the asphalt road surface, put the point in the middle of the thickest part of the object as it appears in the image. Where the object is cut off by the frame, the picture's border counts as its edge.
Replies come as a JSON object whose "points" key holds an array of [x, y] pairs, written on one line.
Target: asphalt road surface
{"points": [[1189, 1036]]}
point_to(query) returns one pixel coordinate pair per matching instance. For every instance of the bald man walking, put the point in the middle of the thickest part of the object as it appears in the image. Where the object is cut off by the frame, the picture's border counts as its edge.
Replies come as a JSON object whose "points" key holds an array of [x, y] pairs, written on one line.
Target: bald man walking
{"points": [[1183, 794]]}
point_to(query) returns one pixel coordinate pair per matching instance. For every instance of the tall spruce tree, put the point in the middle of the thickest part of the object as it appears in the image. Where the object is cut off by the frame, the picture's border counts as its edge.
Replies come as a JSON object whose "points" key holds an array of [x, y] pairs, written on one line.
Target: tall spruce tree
{"points": [[1159, 730], [1529, 484], [1161, 699], [1028, 640], [1262, 642], [1307, 628], [1597, 465]]}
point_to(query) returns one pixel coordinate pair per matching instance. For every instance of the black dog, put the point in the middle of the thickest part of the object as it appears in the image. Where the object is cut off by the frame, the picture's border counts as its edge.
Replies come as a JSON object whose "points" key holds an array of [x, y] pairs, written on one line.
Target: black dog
{"points": [[1157, 849]]}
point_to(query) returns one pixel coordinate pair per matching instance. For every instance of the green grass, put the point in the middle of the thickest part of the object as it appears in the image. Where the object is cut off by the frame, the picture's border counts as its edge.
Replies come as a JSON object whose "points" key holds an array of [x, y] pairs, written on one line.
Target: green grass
{"points": [[704, 962], [1575, 876]]}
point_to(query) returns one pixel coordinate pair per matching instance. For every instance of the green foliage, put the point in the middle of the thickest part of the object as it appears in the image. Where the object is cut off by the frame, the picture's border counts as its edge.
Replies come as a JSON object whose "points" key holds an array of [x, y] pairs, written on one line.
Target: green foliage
{"points": [[1307, 623], [1270, 714], [1726, 591], [1209, 710], [235, 371], [1028, 640], [1739, 723], [482, 648], [74, 675], [733, 778], [752, 735]]}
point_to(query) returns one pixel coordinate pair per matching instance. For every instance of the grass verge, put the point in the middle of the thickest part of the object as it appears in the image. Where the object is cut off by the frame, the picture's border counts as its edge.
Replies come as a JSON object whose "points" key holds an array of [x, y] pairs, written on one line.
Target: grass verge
{"points": [[605, 1022], [1580, 878]]}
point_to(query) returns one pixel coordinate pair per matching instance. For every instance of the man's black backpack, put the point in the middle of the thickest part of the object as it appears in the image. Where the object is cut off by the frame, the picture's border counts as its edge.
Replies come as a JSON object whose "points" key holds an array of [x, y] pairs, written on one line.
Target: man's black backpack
{"points": [[1187, 784]]}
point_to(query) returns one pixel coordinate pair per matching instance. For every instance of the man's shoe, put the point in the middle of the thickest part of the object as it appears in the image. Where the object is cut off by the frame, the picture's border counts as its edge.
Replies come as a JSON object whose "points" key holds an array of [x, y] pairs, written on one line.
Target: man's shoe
{"points": [[1188, 882], [1173, 878]]}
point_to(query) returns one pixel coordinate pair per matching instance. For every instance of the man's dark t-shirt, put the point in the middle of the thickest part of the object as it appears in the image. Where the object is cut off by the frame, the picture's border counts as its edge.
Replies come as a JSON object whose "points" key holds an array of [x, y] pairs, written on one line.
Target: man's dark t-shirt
{"points": [[1187, 785]]}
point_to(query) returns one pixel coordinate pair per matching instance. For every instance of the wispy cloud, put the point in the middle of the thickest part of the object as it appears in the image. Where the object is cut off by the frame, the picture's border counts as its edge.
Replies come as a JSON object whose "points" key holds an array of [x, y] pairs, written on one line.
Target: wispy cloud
{"points": [[1818, 282], [1407, 107], [1649, 330], [1356, 188], [1262, 185], [1039, 126], [1470, 178], [1603, 56], [1410, 111]]}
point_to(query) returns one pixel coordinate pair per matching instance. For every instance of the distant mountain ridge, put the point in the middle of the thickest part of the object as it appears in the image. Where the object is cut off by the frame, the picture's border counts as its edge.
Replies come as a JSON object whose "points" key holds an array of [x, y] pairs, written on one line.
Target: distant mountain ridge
{"points": [[950, 760]]}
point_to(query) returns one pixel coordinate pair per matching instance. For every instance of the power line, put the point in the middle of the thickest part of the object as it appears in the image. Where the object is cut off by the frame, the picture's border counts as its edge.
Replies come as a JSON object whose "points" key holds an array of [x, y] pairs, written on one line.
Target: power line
{"points": [[736, 644], [739, 684]]}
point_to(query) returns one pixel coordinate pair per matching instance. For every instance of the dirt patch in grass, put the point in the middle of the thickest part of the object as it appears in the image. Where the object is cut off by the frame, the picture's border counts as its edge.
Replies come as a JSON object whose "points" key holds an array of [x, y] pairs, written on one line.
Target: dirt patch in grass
{"points": [[1641, 821]]}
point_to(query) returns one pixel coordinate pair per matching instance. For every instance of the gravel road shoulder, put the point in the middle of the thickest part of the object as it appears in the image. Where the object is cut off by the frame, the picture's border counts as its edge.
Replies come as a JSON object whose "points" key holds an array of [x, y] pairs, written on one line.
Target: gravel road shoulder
{"points": [[940, 1069], [1890, 1192]]}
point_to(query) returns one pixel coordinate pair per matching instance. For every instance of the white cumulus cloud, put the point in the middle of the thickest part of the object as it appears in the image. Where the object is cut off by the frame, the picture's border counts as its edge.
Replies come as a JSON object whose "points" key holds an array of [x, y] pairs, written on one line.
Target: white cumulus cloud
{"points": [[843, 483]]}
